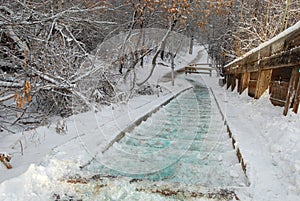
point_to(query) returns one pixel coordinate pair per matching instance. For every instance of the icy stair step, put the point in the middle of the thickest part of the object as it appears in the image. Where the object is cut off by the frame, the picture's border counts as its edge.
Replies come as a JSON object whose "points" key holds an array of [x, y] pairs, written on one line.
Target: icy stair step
{"points": [[209, 175], [183, 142], [180, 144], [212, 156]]}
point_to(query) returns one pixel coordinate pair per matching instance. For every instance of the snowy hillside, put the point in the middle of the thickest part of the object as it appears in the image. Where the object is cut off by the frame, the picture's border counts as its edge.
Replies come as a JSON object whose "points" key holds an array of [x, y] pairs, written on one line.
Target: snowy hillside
{"points": [[47, 163]]}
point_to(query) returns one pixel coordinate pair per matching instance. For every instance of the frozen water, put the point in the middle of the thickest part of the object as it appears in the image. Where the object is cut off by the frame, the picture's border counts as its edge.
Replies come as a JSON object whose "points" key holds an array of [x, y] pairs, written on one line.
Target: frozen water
{"points": [[185, 142]]}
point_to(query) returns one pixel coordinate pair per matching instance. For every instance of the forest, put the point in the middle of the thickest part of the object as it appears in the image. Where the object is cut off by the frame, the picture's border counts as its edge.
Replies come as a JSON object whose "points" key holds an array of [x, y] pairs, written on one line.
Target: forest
{"points": [[48, 49]]}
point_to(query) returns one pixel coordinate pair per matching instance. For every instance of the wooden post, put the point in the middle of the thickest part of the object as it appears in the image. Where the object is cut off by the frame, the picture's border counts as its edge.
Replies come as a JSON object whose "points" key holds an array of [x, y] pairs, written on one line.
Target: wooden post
{"points": [[297, 97], [291, 90], [228, 80], [233, 82], [172, 68], [239, 88], [243, 82], [191, 44], [252, 84], [263, 81]]}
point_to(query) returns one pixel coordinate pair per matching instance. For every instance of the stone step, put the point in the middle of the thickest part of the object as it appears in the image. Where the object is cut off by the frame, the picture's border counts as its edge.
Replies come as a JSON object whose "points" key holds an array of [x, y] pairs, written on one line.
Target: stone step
{"points": [[201, 174], [211, 156], [178, 133], [208, 175], [133, 162], [171, 133], [137, 145]]}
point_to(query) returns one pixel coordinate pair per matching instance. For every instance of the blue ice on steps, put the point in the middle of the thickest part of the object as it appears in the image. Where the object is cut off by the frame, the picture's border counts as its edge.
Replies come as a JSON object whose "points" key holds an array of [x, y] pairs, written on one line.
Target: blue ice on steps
{"points": [[185, 141]]}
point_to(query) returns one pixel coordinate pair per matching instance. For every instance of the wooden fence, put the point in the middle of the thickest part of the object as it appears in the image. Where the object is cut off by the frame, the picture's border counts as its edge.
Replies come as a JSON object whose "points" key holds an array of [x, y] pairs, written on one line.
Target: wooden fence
{"points": [[204, 68], [274, 65]]}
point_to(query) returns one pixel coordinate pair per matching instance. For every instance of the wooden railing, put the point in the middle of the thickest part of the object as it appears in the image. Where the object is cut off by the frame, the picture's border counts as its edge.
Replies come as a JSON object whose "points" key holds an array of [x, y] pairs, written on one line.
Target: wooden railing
{"points": [[203, 68], [274, 65]]}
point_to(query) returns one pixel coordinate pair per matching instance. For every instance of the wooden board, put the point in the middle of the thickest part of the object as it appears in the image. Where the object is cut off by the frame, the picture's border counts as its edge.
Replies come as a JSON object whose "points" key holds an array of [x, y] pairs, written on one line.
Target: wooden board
{"points": [[251, 88], [244, 79], [278, 92], [297, 97], [252, 83], [263, 82], [291, 90]]}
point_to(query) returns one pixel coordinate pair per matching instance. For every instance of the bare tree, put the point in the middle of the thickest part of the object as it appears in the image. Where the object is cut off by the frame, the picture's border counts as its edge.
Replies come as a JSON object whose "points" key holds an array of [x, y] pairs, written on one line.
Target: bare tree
{"points": [[43, 45], [251, 23], [49, 49]]}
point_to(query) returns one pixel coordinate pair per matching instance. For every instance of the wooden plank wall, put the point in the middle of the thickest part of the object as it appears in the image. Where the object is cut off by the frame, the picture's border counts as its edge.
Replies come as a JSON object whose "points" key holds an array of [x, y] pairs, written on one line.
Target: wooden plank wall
{"points": [[274, 65]]}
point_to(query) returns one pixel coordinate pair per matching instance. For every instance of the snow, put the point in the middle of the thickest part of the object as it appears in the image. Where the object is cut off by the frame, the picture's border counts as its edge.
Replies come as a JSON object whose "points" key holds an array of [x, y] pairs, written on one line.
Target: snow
{"points": [[269, 143], [269, 42]]}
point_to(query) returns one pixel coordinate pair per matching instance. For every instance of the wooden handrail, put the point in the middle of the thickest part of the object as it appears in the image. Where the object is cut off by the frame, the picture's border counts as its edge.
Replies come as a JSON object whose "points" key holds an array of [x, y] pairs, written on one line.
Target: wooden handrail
{"points": [[285, 44], [262, 66]]}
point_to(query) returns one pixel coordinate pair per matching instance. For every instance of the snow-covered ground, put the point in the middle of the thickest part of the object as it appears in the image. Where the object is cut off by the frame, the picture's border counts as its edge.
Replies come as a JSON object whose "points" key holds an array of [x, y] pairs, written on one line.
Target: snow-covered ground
{"points": [[269, 142], [46, 165]]}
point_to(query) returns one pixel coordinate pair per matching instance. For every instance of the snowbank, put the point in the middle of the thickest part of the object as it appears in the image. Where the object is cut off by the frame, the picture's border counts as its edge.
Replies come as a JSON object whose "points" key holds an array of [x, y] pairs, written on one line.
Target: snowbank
{"points": [[269, 143]]}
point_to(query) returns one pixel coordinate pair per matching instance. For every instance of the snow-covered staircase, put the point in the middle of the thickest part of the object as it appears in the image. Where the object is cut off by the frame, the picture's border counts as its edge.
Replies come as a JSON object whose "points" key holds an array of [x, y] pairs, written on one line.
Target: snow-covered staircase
{"points": [[185, 141]]}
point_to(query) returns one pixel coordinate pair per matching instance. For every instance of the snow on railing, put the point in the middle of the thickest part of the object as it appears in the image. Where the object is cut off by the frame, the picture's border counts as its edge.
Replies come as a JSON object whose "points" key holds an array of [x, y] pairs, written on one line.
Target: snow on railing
{"points": [[283, 34], [276, 60]]}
